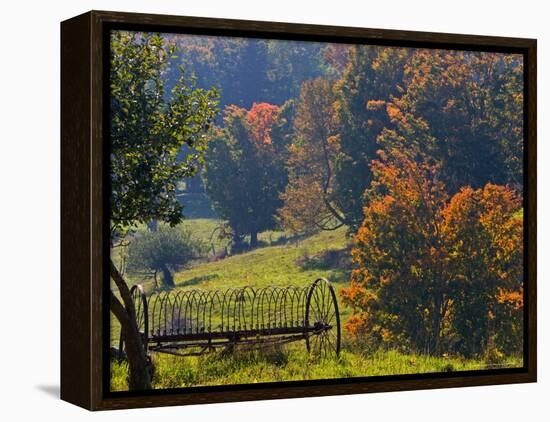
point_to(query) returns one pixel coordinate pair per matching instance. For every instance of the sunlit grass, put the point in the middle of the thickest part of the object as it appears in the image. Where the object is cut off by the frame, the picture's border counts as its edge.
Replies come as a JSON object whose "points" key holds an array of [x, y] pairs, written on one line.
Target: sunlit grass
{"points": [[291, 363]]}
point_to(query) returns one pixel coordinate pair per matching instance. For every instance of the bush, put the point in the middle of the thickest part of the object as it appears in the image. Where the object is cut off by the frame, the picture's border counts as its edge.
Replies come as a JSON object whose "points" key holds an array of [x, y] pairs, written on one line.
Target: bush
{"points": [[165, 250]]}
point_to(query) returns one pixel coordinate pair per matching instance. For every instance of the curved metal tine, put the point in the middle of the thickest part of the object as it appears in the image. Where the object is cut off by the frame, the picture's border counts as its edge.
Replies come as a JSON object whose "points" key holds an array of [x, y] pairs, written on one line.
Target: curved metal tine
{"points": [[304, 295], [265, 298], [292, 293], [259, 308], [237, 304], [195, 309], [186, 305], [191, 306], [215, 298], [252, 305], [233, 300], [176, 304], [277, 302], [301, 307], [164, 309], [270, 306], [290, 299], [189, 324], [246, 298], [225, 317], [154, 300], [280, 303], [203, 300], [287, 306]]}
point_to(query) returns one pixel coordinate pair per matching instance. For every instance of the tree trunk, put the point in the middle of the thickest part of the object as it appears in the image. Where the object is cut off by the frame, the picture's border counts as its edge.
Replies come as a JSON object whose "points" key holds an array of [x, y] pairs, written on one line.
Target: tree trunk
{"points": [[153, 225], [167, 278], [253, 239], [436, 328], [140, 369], [237, 246]]}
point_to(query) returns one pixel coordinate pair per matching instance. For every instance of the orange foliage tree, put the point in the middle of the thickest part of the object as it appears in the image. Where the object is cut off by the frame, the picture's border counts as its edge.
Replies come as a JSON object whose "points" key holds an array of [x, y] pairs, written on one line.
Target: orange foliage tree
{"points": [[484, 232], [308, 197], [399, 288], [428, 271]]}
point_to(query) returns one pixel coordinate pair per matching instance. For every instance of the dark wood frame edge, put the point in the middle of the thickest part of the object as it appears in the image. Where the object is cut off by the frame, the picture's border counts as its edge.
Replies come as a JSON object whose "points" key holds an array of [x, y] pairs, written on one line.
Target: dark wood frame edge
{"points": [[82, 209]]}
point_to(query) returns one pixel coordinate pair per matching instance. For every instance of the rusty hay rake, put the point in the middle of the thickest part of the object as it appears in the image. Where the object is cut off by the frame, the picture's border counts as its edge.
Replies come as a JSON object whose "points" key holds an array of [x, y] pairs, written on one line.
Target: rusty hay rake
{"points": [[194, 322]]}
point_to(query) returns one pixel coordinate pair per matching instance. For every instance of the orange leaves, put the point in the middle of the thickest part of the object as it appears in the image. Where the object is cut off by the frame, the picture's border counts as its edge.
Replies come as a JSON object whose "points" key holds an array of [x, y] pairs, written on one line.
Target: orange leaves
{"points": [[513, 298], [375, 104], [416, 247], [261, 118], [394, 112], [356, 326]]}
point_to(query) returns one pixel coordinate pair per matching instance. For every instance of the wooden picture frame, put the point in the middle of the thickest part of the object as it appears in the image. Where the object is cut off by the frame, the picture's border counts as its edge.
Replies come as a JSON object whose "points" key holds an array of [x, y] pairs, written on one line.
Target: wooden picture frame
{"points": [[84, 314]]}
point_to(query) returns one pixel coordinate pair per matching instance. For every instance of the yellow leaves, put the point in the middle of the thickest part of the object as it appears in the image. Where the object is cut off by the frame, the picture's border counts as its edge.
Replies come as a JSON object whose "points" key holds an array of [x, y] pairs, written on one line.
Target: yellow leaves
{"points": [[375, 104]]}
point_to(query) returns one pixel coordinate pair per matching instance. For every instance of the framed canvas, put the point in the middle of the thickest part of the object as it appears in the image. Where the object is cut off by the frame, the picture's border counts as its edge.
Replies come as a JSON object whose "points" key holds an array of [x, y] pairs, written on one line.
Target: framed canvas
{"points": [[258, 210]]}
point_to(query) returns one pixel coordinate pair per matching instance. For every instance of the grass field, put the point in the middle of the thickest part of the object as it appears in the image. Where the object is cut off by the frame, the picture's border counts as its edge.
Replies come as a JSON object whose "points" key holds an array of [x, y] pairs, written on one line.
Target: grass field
{"points": [[292, 262]]}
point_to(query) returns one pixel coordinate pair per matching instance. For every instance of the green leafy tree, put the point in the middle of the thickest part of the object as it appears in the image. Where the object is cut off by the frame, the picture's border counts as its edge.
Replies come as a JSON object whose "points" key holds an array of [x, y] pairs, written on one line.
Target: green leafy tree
{"points": [[245, 168], [148, 128]]}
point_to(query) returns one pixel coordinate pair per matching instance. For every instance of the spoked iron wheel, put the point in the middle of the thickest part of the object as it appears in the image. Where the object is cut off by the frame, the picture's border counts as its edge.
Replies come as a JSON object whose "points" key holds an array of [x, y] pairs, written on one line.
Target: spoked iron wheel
{"points": [[322, 320]]}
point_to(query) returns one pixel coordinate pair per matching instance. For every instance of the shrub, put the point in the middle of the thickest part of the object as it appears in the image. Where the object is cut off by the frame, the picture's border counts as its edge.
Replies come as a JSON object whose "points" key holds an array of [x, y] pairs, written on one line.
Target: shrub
{"points": [[164, 250]]}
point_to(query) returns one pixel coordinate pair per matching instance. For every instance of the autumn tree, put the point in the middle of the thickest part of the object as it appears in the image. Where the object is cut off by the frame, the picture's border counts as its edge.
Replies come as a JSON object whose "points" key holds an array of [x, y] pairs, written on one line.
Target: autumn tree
{"points": [[309, 196], [432, 274], [245, 173], [399, 286], [148, 127], [483, 229], [471, 106], [373, 75]]}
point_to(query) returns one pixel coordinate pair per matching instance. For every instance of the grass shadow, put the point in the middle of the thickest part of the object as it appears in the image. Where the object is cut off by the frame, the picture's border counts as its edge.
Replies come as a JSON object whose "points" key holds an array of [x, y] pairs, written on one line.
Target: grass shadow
{"points": [[197, 280]]}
